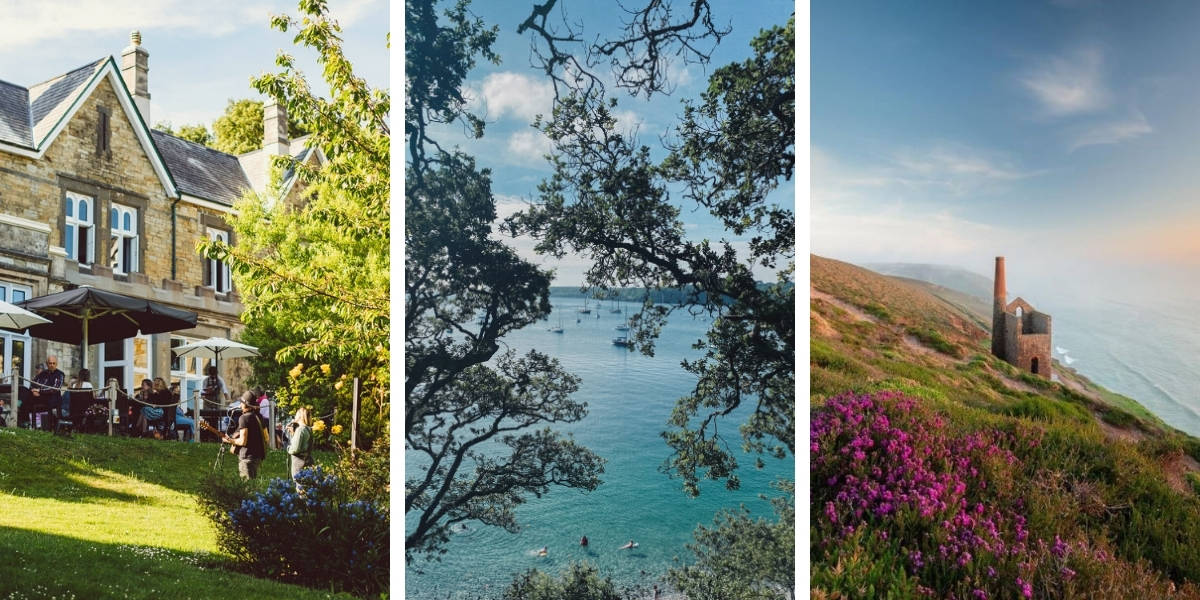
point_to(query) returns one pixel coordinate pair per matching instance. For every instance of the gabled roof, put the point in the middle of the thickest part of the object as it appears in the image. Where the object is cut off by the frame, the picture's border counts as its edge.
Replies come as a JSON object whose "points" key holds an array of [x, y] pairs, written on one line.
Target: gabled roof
{"points": [[30, 129], [202, 171], [50, 100]]}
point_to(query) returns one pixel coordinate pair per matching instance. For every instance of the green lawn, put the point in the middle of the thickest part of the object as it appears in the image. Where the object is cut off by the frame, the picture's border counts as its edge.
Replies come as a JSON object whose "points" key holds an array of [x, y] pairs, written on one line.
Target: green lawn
{"points": [[97, 517]]}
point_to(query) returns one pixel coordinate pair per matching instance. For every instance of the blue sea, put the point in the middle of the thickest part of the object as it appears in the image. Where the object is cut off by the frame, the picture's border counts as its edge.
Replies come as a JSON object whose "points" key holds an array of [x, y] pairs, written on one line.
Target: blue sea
{"points": [[630, 397], [1146, 349]]}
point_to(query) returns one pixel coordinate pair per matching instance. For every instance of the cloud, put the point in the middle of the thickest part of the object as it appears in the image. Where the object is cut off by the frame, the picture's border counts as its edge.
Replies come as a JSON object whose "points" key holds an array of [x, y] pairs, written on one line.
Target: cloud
{"points": [[529, 146], [27, 23], [1069, 84], [1111, 132], [942, 168], [514, 95]]}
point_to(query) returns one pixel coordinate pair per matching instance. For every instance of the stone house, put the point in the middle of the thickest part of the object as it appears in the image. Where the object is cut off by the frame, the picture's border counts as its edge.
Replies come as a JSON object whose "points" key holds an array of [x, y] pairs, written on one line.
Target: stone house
{"points": [[1020, 334], [90, 195]]}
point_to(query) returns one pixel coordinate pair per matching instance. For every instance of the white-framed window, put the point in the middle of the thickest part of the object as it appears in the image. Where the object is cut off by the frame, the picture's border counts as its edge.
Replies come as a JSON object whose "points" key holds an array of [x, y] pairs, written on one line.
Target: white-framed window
{"points": [[123, 244], [81, 231], [116, 360], [216, 272], [187, 371], [13, 343]]}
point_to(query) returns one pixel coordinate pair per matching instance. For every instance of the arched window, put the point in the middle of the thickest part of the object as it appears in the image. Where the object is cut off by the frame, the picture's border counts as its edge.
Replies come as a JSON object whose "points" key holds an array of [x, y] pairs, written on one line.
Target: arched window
{"points": [[1019, 312], [79, 237]]}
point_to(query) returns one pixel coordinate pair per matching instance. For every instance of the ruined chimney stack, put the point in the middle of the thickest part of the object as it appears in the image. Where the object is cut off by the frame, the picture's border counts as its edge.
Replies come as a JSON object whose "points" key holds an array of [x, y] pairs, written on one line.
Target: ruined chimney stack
{"points": [[1001, 292], [135, 70], [275, 130], [998, 302]]}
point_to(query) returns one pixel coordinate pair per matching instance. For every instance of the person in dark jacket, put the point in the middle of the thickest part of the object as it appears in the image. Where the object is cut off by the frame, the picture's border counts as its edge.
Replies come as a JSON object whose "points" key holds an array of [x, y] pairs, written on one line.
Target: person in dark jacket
{"points": [[251, 445]]}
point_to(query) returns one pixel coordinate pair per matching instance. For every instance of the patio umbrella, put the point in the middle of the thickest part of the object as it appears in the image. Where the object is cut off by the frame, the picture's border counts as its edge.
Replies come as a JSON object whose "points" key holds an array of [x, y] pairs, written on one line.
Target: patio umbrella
{"points": [[92, 316], [215, 348], [18, 319]]}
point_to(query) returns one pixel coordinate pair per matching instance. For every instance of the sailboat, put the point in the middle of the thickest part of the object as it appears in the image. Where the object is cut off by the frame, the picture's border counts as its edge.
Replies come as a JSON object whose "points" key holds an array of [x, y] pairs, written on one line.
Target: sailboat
{"points": [[621, 341], [585, 310], [558, 329], [616, 310], [624, 326]]}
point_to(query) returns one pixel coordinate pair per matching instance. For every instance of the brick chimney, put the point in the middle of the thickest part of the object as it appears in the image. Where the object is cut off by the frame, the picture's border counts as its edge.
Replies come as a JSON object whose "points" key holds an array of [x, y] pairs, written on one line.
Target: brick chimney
{"points": [[135, 69], [998, 302], [275, 129]]}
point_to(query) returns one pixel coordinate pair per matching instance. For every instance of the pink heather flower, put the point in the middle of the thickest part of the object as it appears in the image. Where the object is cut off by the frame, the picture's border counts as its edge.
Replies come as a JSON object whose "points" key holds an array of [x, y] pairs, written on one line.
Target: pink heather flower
{"points": [[1067, 573], [1026, 588], [991, 572], [979, 594], [1060, 548]]}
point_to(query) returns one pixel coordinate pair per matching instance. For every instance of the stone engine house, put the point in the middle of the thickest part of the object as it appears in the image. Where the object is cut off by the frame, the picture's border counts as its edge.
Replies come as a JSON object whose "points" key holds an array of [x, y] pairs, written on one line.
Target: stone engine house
{"points": [[1020, 334]]}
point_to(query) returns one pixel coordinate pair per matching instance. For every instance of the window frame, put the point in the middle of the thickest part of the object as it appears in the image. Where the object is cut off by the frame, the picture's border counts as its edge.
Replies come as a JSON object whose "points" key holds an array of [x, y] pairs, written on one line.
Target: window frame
{"points": [[216, 272], [72, 225], [118, 235]]}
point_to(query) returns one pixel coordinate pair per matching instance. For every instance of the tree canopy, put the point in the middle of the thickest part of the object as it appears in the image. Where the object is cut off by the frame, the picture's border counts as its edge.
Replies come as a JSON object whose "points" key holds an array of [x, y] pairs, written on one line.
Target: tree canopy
{"points": [[609, 201], [193, 133], [477, 419], [316, 275]]}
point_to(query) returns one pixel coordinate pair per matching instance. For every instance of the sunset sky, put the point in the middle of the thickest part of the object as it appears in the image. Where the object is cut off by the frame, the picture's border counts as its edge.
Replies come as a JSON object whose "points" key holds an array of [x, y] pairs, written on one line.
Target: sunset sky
{"points": [[1064, 135]]}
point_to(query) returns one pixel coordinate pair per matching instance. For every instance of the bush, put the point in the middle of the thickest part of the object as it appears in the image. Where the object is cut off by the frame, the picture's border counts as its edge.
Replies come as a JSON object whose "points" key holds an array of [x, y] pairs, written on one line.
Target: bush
{"points": [[320, 538], [934, 339], [580, 582]]}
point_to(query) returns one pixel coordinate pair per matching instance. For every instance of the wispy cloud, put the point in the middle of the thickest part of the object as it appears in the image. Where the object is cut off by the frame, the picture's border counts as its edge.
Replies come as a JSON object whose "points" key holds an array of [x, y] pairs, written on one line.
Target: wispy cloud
{"points": [[1070, 83], [1111, 132], [26, 23], [945, 168]]}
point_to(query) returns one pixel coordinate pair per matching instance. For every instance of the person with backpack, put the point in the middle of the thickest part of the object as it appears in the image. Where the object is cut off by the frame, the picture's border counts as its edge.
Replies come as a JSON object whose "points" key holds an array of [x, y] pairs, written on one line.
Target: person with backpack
{"points": [[300, 446]]}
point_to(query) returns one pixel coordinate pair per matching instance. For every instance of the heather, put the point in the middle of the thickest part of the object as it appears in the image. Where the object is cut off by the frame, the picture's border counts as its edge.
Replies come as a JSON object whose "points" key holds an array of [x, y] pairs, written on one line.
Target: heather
{"points": [[940, 471], [909, 502]]}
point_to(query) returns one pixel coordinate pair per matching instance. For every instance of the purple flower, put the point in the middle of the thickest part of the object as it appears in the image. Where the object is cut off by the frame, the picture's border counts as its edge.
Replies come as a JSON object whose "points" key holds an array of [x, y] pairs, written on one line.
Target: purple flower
{"points": [[1026, 588]]}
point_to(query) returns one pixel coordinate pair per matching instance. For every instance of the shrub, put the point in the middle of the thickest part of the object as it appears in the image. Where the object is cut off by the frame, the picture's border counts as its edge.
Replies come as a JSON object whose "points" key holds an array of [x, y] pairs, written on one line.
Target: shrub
{"points": [[580, 582], [934, 339], [878, 311], [320, 538]]}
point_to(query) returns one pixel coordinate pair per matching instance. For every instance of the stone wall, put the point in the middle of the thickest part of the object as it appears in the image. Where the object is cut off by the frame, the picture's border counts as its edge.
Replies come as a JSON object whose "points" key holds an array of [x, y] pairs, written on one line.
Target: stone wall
{"points": [[32, 226]]}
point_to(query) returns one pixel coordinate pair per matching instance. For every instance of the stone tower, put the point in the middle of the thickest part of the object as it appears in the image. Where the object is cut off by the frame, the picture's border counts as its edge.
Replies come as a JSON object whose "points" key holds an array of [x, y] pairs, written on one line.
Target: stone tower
{"points": [[1020, 334]]}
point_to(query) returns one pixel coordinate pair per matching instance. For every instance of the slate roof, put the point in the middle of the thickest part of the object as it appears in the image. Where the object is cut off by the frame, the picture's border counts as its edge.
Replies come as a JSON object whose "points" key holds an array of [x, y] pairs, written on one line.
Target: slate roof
{"points": [[50, 100], [201, 171], [28, 114], [15, 127]]}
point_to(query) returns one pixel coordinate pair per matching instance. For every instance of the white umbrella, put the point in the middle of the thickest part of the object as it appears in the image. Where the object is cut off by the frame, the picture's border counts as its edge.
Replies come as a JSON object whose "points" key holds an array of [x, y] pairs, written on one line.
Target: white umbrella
{"points": [[215, 348], [15, 318]]}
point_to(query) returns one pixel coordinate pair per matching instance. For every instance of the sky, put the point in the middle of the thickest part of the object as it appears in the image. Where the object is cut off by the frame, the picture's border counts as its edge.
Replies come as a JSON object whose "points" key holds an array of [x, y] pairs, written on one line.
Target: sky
{"points": [[202, 53], [510, 95], [1060, 134]]}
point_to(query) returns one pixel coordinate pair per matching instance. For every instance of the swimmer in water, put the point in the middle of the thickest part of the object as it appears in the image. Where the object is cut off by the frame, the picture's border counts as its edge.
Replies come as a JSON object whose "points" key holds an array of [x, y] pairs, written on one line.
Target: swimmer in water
{"points": [[543, 551], [583, 541], [629, 545]]}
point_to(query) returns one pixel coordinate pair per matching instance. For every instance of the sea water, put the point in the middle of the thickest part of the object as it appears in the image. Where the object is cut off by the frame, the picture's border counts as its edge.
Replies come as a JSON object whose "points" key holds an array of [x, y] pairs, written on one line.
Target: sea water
{"points": [[1148, 351], [630, 397]]}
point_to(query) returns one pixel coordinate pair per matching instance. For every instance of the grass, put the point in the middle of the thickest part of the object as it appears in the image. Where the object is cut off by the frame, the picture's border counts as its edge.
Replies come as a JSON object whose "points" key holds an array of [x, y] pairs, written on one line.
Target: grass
{"points": [[98, 517]]}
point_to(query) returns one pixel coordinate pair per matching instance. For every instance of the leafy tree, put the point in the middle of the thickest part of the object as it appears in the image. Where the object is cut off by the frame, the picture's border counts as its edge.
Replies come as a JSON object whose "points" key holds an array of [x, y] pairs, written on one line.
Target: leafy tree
{"points": [[609, 201], [475, 418], [740, 558], [316, 276], [579, 582], [240, 128], [193, 133]]}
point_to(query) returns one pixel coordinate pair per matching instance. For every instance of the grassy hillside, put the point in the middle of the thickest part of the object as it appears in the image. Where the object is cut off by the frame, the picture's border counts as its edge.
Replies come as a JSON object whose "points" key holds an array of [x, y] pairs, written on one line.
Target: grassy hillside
{"points": [[941, 471], [97, 517]]}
